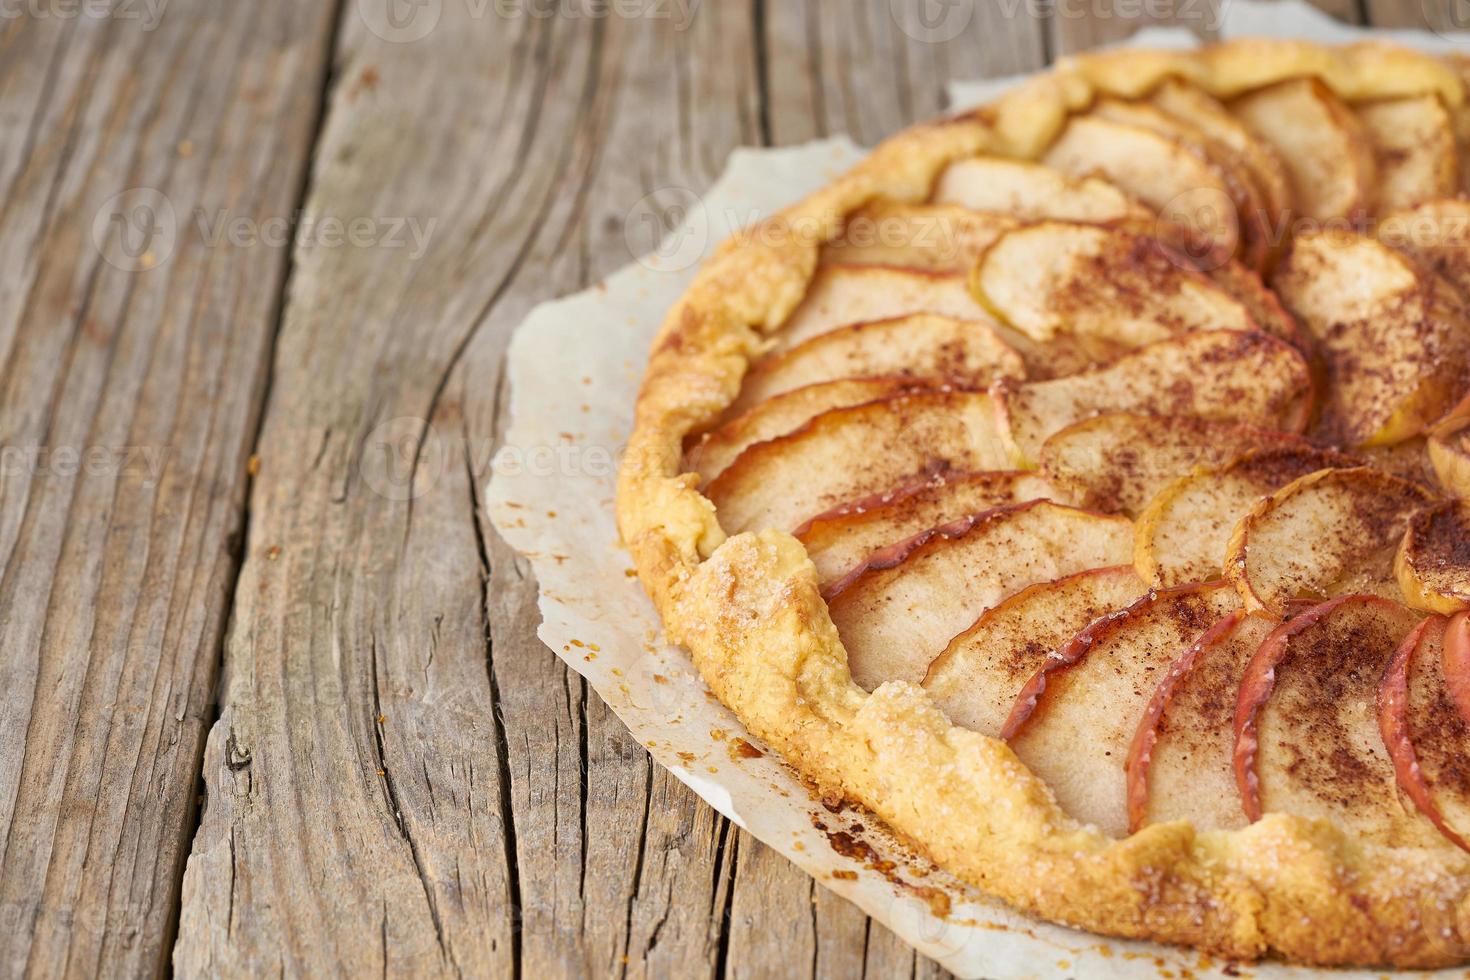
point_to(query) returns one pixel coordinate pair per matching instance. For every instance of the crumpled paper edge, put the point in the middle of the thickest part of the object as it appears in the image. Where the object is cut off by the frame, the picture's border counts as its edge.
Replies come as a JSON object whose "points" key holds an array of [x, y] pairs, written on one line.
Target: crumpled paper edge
{"points": [[574, 366]]}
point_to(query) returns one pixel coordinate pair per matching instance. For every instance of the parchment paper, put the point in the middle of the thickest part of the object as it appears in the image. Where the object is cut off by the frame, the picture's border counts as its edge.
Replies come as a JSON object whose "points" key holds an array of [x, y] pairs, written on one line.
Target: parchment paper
{"points": [[574, 367]]}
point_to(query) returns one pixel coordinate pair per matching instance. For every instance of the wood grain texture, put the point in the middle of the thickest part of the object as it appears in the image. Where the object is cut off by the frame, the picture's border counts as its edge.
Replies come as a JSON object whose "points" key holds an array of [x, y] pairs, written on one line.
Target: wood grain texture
{"points": [[133, 353]]}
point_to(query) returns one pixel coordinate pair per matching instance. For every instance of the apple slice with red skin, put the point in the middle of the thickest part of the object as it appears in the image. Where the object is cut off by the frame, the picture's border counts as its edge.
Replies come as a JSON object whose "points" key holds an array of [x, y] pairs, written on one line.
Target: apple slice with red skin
{"points": [[1074, 720], [786, 413], [1457, 662], [901, 607], [922, 346], [849, 453], [1307, 739], [1424, 719], [1180, 761], [840, 296], [975, 680], [840, 539]]}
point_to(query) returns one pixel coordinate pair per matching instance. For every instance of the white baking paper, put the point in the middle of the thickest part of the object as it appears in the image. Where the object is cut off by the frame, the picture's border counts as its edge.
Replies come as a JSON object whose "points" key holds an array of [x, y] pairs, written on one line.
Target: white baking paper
{"points": [[574, 368]]}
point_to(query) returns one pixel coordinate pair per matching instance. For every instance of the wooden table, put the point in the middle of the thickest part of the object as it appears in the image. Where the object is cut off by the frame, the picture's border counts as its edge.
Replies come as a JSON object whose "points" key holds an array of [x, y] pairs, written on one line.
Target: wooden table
{"points": [[270, 694]]}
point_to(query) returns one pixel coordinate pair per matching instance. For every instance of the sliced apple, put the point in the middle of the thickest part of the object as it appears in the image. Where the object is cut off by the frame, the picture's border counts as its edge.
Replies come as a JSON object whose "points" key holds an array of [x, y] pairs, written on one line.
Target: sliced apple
{"points": [[1180, 761], [1330, 533], [843, 295], [1035, 192], [900, 609], [1328, 158], [783, 414], [976, 678], [1261, 303], [842, 538], [1425, 735], [1433, 562], [1215, 375], [1306, 731], [1435, 234], [1456, 663], [1186, 101], [1195, 207], [1183, 533], [849, 453], [1118, 461], [1449, 451], [1248, 199], [1408, 459], [924, 345], [933, 237], [1392, 338], [1074, 720], [1413, 142], [1058, 277]]}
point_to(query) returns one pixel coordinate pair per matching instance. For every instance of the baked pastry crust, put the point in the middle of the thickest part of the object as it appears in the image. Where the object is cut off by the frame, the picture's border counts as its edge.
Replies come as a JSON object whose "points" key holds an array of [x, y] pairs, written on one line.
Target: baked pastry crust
{"points": [[749, 610]]}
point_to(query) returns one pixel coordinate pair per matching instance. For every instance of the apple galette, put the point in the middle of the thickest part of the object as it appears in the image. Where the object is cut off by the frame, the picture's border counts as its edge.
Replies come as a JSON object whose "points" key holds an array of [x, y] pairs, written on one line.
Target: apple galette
{"points": [[1079, 485]]}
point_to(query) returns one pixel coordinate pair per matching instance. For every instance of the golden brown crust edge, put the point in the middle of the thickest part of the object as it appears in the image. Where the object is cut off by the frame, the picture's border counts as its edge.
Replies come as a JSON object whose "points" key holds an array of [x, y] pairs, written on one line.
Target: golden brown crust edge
{"points": [[749, 610]]}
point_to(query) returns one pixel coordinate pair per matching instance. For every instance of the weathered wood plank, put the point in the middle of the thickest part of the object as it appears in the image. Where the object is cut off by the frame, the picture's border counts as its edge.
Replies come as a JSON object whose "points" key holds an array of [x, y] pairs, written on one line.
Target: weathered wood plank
{"points": [[1416, 15], [459, 818], [133, 350], [869, 69], [651, 886]]}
